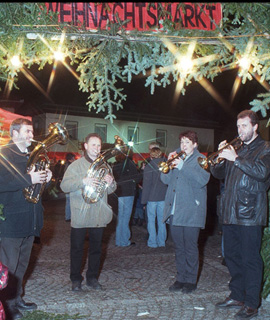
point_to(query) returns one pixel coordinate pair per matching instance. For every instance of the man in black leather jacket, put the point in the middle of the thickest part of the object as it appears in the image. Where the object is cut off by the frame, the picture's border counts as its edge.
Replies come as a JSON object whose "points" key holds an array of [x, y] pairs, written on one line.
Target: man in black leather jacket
{"points": [[243, 213], [23, 219]]}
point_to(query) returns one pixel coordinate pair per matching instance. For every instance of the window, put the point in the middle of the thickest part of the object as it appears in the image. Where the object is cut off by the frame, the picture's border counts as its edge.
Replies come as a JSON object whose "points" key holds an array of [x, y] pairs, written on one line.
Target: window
{"points": [[72, 129], [133, 134], [161, 137], [101, 129]]}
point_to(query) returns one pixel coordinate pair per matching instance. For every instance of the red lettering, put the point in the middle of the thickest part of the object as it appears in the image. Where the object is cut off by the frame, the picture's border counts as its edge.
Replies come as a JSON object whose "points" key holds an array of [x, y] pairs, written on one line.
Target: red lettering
{"points": [[140, 15]]}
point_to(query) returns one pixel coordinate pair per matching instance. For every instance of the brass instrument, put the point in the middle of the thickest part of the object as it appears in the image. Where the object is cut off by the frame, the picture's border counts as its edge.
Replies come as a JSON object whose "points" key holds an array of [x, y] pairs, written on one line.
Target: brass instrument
{"points": [[40, 161], [214, 159], [98, 170], [165, 166]]}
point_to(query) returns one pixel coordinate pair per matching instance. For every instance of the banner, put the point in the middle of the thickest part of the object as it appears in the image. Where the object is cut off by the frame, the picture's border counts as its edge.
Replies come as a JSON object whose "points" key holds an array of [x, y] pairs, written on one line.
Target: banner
{"points": [[141, 16], [6, 118]]}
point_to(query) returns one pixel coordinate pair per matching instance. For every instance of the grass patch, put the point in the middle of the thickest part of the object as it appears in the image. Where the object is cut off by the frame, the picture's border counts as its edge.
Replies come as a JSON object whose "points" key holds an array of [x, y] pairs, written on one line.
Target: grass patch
{"points": [[41, 315]]}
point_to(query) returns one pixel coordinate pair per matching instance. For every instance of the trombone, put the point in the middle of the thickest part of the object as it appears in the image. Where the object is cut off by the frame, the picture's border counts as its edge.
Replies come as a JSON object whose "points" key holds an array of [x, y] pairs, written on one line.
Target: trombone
{"points": [[214, 159], [165, 166]]}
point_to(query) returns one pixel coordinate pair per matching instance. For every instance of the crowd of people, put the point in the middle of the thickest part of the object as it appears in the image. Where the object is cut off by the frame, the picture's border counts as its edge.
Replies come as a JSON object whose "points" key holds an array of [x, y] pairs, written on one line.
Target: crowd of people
{"points": [[173, 201]]}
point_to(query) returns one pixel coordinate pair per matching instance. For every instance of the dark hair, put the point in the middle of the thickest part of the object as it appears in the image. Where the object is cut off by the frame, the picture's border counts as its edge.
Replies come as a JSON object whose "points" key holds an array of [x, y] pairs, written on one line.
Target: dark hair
{"points": [[70, 156], [91, 135], [191, 135], [254, 119], [17, 123]]}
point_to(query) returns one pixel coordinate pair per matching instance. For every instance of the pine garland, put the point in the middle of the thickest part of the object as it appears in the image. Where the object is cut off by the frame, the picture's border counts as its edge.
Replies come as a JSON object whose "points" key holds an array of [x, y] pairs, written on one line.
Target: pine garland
{"points": [[107, 58]]}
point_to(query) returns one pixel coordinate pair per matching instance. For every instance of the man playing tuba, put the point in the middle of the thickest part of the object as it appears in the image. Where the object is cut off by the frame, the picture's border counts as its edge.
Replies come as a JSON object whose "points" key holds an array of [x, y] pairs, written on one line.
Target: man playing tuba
{"points": [[23, 220], [86, 215]]}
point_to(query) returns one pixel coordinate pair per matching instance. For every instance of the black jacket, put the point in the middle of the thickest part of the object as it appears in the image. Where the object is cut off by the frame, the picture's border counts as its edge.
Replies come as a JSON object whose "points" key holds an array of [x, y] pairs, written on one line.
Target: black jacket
{"points": [[22, 218], [153, 188], [244, 200], [127, 177]]}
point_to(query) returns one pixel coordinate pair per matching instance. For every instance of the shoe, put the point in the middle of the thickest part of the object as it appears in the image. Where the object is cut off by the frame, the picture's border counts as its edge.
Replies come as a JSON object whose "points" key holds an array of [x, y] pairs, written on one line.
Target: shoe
{"points": [[246, 313], [230, 303], [223, 262], [22, 305], [177, 286], [15, 314], [132, 244], [76, 286], [189, 287], [93, 283]]}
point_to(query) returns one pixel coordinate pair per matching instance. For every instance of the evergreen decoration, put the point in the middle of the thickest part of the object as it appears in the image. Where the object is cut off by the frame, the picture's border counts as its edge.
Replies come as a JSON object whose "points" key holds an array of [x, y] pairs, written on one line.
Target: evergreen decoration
{"points": [[265, 252], [107, 58]]}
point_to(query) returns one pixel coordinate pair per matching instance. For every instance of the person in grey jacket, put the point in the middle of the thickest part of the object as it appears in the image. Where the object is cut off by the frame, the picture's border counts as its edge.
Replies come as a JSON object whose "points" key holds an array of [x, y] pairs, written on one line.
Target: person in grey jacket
{"points": [[185, 210], [86, 217], [243, 213], [153, 195]]}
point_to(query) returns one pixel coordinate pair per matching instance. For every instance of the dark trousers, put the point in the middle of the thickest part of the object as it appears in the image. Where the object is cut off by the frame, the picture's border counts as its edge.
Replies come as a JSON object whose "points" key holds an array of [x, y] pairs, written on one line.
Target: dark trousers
{"points": [[77, 240], [186, 252], [15, 254], [242, 245]]}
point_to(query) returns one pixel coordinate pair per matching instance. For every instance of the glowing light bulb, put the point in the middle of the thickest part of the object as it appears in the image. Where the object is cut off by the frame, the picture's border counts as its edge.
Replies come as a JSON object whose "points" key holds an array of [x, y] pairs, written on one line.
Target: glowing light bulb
{"points": [[244, 63], [16, 62], [58, 55]]}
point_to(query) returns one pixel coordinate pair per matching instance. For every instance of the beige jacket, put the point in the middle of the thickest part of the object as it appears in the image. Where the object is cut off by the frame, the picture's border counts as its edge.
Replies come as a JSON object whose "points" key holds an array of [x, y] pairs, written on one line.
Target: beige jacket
{"points": [[84, 215]]}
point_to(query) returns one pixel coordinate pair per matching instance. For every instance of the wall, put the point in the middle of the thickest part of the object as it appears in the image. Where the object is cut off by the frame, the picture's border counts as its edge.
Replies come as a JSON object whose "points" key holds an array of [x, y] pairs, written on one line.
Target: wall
{"points": [[147, 133]]}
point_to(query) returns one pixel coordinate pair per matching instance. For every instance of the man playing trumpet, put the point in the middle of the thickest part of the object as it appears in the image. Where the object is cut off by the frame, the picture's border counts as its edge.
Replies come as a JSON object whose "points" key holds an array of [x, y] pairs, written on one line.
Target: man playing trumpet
{"points": [[243, 213]]}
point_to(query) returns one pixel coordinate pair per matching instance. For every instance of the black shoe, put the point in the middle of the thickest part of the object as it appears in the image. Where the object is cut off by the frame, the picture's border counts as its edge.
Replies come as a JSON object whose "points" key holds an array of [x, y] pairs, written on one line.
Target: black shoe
{"points": [[14, 314], [246, 313], [132, 244], [76, 286], [177, 286], [93, 283], [189, 287], [230, 303], [223, 262], [22, 305]]}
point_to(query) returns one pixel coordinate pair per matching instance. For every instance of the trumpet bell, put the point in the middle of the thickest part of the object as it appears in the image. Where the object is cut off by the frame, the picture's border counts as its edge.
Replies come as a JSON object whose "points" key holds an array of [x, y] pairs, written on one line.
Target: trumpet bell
{"points": [[203, 162]]}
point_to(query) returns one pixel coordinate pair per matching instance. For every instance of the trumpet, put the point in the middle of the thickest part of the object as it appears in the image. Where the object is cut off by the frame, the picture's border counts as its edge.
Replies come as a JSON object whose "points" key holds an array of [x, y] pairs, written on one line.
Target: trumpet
{"points": [[214, 159], [165, 166]]}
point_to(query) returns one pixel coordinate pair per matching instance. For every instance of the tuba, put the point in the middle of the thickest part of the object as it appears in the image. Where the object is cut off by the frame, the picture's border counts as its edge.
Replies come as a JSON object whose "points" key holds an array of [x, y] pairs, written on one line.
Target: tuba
{"points": [[214, 158], [40, 161], [98, 170], [165, 166]]}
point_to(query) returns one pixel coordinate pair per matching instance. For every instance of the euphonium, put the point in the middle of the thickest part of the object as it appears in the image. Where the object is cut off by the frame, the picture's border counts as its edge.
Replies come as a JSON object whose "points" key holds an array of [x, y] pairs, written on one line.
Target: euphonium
{"points": [[165, 166], [214, 159], [98, 170], [40, 161]]}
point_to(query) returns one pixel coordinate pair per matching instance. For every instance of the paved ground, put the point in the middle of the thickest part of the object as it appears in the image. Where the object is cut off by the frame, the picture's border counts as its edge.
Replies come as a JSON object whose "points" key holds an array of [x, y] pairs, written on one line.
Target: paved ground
{"points": [[135, 279]]}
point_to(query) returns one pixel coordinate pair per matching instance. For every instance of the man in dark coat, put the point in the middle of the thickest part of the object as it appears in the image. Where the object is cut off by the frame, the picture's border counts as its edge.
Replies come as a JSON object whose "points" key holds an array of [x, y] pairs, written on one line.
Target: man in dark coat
{"points": [[23, 219], [243, 213]]}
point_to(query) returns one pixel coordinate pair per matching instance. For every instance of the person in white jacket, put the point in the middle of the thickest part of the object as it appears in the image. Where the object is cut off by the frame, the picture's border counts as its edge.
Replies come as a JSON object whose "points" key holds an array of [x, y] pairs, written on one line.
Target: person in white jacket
{"points": [[86, 217]]}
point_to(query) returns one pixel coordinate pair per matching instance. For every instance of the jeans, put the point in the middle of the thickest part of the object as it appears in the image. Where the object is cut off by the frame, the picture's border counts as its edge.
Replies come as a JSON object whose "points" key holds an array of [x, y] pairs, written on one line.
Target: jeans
{"points": [[157, 236], [125, 205]]}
